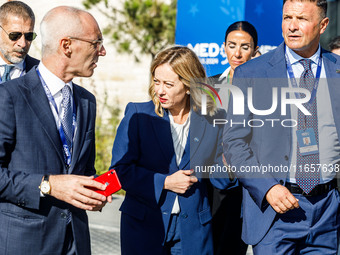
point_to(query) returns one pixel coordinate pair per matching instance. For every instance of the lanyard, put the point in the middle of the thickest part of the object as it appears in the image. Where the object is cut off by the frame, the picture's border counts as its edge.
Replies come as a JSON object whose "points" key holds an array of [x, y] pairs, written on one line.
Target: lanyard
{"points": [[316, 81], [315, 87], [22, 72], [67, 150]]}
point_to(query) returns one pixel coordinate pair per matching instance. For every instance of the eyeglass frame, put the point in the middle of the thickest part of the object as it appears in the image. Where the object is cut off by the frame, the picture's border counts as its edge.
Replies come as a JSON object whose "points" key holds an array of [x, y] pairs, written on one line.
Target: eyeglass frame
{"points": [[99, 42], [34, 34]]}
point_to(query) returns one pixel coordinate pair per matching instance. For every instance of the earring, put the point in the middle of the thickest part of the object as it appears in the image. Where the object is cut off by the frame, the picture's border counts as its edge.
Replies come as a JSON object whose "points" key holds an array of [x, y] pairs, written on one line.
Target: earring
{"points": [[188, 92]]}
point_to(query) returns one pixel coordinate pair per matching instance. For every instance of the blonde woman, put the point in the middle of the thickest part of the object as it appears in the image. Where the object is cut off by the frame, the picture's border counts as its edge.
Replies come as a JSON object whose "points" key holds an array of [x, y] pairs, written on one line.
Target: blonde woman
{"points": [[166, 210]]}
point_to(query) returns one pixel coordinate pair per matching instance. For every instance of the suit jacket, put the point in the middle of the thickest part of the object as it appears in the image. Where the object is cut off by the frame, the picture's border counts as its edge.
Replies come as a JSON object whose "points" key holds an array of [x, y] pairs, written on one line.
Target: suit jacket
{"points": [[143, 157], [30, 62], [246, 146], [30, 147]]}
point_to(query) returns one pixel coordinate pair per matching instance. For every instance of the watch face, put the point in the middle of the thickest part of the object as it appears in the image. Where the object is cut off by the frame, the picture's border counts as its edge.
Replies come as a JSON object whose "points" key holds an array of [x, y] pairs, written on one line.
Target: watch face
{"points": [[45, 187]]}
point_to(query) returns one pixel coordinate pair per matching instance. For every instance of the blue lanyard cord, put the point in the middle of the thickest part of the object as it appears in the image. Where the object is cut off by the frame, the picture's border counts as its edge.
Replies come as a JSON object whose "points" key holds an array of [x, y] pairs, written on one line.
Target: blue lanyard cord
{"points": [[22, 72], [67, 150], [316, 81]]}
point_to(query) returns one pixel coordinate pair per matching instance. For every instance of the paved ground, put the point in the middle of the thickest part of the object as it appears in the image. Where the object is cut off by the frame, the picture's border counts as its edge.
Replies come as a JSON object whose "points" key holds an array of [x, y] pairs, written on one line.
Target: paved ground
{"points": [[104, 229]]}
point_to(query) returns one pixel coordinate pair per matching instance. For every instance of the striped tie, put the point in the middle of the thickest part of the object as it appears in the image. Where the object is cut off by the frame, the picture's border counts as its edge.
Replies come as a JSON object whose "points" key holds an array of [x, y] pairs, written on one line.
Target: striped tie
{"points": [[6, 76]]}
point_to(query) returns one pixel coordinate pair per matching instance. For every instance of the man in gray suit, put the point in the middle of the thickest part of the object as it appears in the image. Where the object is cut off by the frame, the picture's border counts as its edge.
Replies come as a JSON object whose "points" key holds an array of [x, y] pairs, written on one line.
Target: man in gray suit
{"points": [[16, 36], [47, 142]]}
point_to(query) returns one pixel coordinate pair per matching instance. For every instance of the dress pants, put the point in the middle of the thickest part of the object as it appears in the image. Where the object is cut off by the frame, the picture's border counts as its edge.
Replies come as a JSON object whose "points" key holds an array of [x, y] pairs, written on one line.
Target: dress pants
{"points": [[69, 247], [313, 228], [227, 220], [173, 239]]}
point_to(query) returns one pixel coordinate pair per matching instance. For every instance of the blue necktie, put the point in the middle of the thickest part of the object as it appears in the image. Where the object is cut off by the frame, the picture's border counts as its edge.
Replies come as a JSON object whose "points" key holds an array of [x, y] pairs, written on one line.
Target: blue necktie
{"points": [[6, 76], [307, 180], [66, 120]]}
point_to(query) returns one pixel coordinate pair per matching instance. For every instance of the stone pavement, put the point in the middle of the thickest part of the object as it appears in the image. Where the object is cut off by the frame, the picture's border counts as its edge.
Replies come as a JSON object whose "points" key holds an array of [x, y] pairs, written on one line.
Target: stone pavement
{"points": [[104, 229]]}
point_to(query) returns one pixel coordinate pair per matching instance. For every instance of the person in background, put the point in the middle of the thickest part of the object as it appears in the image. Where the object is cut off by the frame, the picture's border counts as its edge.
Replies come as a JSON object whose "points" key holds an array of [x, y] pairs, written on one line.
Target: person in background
{"points": [[16, 36], [157, 146], [47, 142], [334, 45], [240, 46], [257, 54]]}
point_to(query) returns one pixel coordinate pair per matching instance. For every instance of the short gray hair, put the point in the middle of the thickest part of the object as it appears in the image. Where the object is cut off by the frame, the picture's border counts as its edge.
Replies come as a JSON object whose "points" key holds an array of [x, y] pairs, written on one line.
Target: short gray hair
{"points": [[16, 8], [58, 23]]}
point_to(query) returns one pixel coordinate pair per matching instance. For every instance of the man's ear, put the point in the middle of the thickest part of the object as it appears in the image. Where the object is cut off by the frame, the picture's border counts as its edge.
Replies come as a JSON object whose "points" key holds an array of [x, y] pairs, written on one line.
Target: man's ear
{"points": [[65, 44]]}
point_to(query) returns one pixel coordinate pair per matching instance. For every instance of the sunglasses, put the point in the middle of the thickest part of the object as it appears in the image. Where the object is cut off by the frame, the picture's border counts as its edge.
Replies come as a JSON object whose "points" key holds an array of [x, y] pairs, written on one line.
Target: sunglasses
{"points": [[15, 36], [97, 43]]}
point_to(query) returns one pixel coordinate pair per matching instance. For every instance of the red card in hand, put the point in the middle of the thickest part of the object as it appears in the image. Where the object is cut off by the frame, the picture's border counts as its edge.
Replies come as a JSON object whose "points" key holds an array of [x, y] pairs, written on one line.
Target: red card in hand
{"points": [[110, 179]]}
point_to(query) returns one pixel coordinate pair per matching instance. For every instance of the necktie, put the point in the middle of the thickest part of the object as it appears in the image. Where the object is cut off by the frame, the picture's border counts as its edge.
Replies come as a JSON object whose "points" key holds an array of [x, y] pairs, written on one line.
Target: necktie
{"points": [[307, 180], [6, 76], [66, 120]]}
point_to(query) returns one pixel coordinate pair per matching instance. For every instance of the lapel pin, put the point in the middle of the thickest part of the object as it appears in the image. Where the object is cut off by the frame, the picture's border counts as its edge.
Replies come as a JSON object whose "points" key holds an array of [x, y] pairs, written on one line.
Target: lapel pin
{"points": [[196, 139]]}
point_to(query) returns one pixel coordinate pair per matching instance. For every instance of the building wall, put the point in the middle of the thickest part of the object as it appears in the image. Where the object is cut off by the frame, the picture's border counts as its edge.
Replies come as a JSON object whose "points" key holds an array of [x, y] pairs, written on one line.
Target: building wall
{"points": [[119, 75]]}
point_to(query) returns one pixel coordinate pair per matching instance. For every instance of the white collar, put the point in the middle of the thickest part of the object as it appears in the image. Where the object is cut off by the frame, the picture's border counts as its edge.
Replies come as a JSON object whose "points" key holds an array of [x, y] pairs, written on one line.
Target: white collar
{"points": [[225, 74], [19, 65], [54, 83], [294, 58]]}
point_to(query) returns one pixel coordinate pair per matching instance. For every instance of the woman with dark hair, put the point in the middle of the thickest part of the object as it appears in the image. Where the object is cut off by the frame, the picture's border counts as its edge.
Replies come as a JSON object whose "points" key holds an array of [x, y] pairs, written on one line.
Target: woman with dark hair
{"points": [[157, 146], [240, 46]]}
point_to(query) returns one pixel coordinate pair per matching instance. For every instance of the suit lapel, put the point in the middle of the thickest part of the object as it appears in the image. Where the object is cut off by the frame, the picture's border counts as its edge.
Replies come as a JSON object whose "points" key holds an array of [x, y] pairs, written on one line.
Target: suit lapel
{"points": [[278, 66], [331, 66], [278, 75], [197, 129], [29, 63], [82, 115], [36, 99], [162, 132]]}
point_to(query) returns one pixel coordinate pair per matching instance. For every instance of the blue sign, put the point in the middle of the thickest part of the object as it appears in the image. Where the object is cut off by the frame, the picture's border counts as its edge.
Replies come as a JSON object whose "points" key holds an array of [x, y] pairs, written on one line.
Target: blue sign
{"points": [[201, 25]]}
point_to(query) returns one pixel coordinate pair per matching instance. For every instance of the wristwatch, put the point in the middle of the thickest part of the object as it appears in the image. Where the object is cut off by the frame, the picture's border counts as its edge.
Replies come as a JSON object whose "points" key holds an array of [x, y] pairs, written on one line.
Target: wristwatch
{"points": [[45, 186]]}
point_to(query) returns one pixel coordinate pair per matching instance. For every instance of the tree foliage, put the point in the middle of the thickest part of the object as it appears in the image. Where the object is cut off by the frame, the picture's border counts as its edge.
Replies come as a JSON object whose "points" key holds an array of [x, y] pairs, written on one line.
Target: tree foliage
{"points": [[138, 26]]}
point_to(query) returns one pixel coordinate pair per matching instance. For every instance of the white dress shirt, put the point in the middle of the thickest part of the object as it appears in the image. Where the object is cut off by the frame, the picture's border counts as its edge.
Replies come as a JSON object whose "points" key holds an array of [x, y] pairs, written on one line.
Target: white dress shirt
{"points": [[329, 147], [179, 134], [55, 85], [17, 71]]}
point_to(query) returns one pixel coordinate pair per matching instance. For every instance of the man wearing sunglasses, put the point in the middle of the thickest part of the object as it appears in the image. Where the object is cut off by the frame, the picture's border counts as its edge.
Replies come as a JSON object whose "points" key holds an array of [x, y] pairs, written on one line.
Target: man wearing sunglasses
{"points": [[47, 142], [16, 36]]}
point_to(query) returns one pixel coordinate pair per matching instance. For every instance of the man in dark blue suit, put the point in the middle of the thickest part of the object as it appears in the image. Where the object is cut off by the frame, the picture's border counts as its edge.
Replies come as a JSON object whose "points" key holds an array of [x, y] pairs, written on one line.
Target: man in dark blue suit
{"points": [[16, 36], [290, 199], [47, 142]]}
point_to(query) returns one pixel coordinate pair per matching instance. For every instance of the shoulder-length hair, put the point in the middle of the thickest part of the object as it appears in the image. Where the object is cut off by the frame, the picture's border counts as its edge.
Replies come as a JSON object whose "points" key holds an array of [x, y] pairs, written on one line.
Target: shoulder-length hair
{"points": [[187, 66]]}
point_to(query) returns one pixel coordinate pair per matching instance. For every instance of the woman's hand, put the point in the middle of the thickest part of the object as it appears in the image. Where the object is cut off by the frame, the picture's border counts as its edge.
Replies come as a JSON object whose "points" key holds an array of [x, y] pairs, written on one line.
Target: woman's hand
{"points": [[180, 181]]}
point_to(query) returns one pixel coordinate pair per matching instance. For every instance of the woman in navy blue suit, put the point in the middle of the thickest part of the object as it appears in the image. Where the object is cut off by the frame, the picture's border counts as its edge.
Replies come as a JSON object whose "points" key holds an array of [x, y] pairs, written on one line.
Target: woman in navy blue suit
{"points": [[160, 148]]}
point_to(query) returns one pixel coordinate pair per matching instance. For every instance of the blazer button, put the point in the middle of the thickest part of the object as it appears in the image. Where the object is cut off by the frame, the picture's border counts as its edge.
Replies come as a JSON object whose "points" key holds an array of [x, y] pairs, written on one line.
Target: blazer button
{"points": [[184, 215], [286, 157], [281, 182]]}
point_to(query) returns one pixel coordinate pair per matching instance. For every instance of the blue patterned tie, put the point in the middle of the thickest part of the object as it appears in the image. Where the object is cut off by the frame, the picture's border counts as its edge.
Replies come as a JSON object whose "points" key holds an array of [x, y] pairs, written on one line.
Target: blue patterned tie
{"points": [[307, 180], [6, 76], [66, 120]]}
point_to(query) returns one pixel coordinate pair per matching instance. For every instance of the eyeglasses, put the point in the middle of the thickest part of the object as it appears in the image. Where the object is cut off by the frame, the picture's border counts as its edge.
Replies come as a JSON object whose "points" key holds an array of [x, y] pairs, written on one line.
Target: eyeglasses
{"points": [[15, 36], [97, 43]]}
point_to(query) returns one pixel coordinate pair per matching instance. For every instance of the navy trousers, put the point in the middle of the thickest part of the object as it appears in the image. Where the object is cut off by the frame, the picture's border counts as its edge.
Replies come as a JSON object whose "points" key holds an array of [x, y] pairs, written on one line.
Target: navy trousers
{"points": [[311, 229]]}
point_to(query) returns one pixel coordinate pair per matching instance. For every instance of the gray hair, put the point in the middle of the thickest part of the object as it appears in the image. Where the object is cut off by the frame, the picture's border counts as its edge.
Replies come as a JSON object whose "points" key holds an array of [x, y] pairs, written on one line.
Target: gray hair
{"points": [[16, 8], [59, 23]]}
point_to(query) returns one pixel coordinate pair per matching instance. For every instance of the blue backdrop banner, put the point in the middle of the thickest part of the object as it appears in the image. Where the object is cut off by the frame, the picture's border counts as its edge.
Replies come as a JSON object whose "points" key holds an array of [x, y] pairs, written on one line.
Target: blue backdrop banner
{"points": [[201, 25]]}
